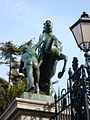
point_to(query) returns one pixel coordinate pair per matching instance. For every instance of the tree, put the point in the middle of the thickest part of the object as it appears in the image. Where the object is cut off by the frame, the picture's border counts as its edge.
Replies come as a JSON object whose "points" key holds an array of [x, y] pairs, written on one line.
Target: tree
{"points": [[9, 52]]}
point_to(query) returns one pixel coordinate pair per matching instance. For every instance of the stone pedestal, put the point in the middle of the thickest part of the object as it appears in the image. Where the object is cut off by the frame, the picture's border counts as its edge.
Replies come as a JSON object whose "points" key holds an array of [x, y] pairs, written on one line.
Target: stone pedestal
{"points": [[30, 107]]}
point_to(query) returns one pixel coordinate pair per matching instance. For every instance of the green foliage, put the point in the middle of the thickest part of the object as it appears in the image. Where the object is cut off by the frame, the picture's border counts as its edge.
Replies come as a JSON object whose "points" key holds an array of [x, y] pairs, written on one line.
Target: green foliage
{"points": [[17, 89], [7, 49]]}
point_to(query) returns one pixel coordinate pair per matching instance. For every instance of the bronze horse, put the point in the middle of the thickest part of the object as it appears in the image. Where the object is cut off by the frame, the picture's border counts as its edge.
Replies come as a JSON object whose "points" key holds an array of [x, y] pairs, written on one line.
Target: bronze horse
{"points": [[50, 53]]}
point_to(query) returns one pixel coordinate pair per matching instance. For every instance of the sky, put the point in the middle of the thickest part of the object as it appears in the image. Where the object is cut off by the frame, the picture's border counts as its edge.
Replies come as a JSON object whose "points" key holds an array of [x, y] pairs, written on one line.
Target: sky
{"points": [[22, 20]]}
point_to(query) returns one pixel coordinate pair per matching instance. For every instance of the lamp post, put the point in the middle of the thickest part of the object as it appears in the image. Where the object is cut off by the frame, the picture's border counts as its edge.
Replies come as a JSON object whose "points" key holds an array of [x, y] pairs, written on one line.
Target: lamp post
{"points": [[81, 33]]}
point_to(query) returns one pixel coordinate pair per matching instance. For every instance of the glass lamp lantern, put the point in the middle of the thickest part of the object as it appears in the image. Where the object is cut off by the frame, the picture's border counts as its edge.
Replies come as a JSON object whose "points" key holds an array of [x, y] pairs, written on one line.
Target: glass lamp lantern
{"points": [[81, 32]]}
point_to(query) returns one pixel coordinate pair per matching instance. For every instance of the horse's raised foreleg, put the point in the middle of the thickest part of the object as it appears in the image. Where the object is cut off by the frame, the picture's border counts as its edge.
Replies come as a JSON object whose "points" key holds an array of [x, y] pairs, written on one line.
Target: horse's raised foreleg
{"points": [[62, 57]]}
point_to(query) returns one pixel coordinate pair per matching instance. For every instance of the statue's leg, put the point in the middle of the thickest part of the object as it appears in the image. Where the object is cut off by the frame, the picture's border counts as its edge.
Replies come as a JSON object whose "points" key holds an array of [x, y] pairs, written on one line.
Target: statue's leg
{"points": [[29, 75], [36, 73]]}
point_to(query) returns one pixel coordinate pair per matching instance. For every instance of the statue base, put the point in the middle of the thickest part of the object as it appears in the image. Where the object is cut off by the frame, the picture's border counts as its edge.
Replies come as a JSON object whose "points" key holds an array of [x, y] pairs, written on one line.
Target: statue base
{"points": [[30, 107]]}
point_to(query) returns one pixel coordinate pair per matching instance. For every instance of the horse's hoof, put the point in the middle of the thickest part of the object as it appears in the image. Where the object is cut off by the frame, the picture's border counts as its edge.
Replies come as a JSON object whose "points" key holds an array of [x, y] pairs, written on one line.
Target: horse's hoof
{"points": [[60, 74]]}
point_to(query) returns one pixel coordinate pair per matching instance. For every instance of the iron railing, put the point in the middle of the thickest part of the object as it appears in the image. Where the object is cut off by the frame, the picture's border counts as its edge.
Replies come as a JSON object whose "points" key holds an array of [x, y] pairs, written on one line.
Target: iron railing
{"points": [[74, 103]]}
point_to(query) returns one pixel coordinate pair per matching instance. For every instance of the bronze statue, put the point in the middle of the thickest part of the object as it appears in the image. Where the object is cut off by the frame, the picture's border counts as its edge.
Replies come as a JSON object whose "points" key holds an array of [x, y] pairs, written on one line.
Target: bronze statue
{"points": [[29, 66], [49, 53], [39, 69]]}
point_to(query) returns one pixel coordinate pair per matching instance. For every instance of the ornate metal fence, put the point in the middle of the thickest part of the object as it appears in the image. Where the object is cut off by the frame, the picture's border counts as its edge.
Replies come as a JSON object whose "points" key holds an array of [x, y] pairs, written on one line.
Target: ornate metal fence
{"points": [[74, 103]]}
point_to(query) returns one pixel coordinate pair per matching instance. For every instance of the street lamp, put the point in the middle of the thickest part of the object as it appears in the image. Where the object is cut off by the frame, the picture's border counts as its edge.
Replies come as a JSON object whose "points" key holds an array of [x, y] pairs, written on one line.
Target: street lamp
{"points": [[81, 32]]}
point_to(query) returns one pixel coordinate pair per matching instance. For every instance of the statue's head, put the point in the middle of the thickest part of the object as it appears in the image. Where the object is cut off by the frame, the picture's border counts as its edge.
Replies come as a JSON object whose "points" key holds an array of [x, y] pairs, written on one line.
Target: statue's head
{"points": [[25, 48], [47, 26]]}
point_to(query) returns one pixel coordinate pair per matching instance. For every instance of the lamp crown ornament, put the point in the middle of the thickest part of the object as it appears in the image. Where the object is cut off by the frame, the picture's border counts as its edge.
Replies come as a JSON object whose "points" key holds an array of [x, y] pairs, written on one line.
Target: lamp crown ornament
{"points": [[84, 15]]}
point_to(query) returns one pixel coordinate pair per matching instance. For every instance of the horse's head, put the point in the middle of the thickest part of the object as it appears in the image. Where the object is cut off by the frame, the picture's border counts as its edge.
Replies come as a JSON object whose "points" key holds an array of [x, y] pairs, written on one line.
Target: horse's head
{"points": [[47, 26]]}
